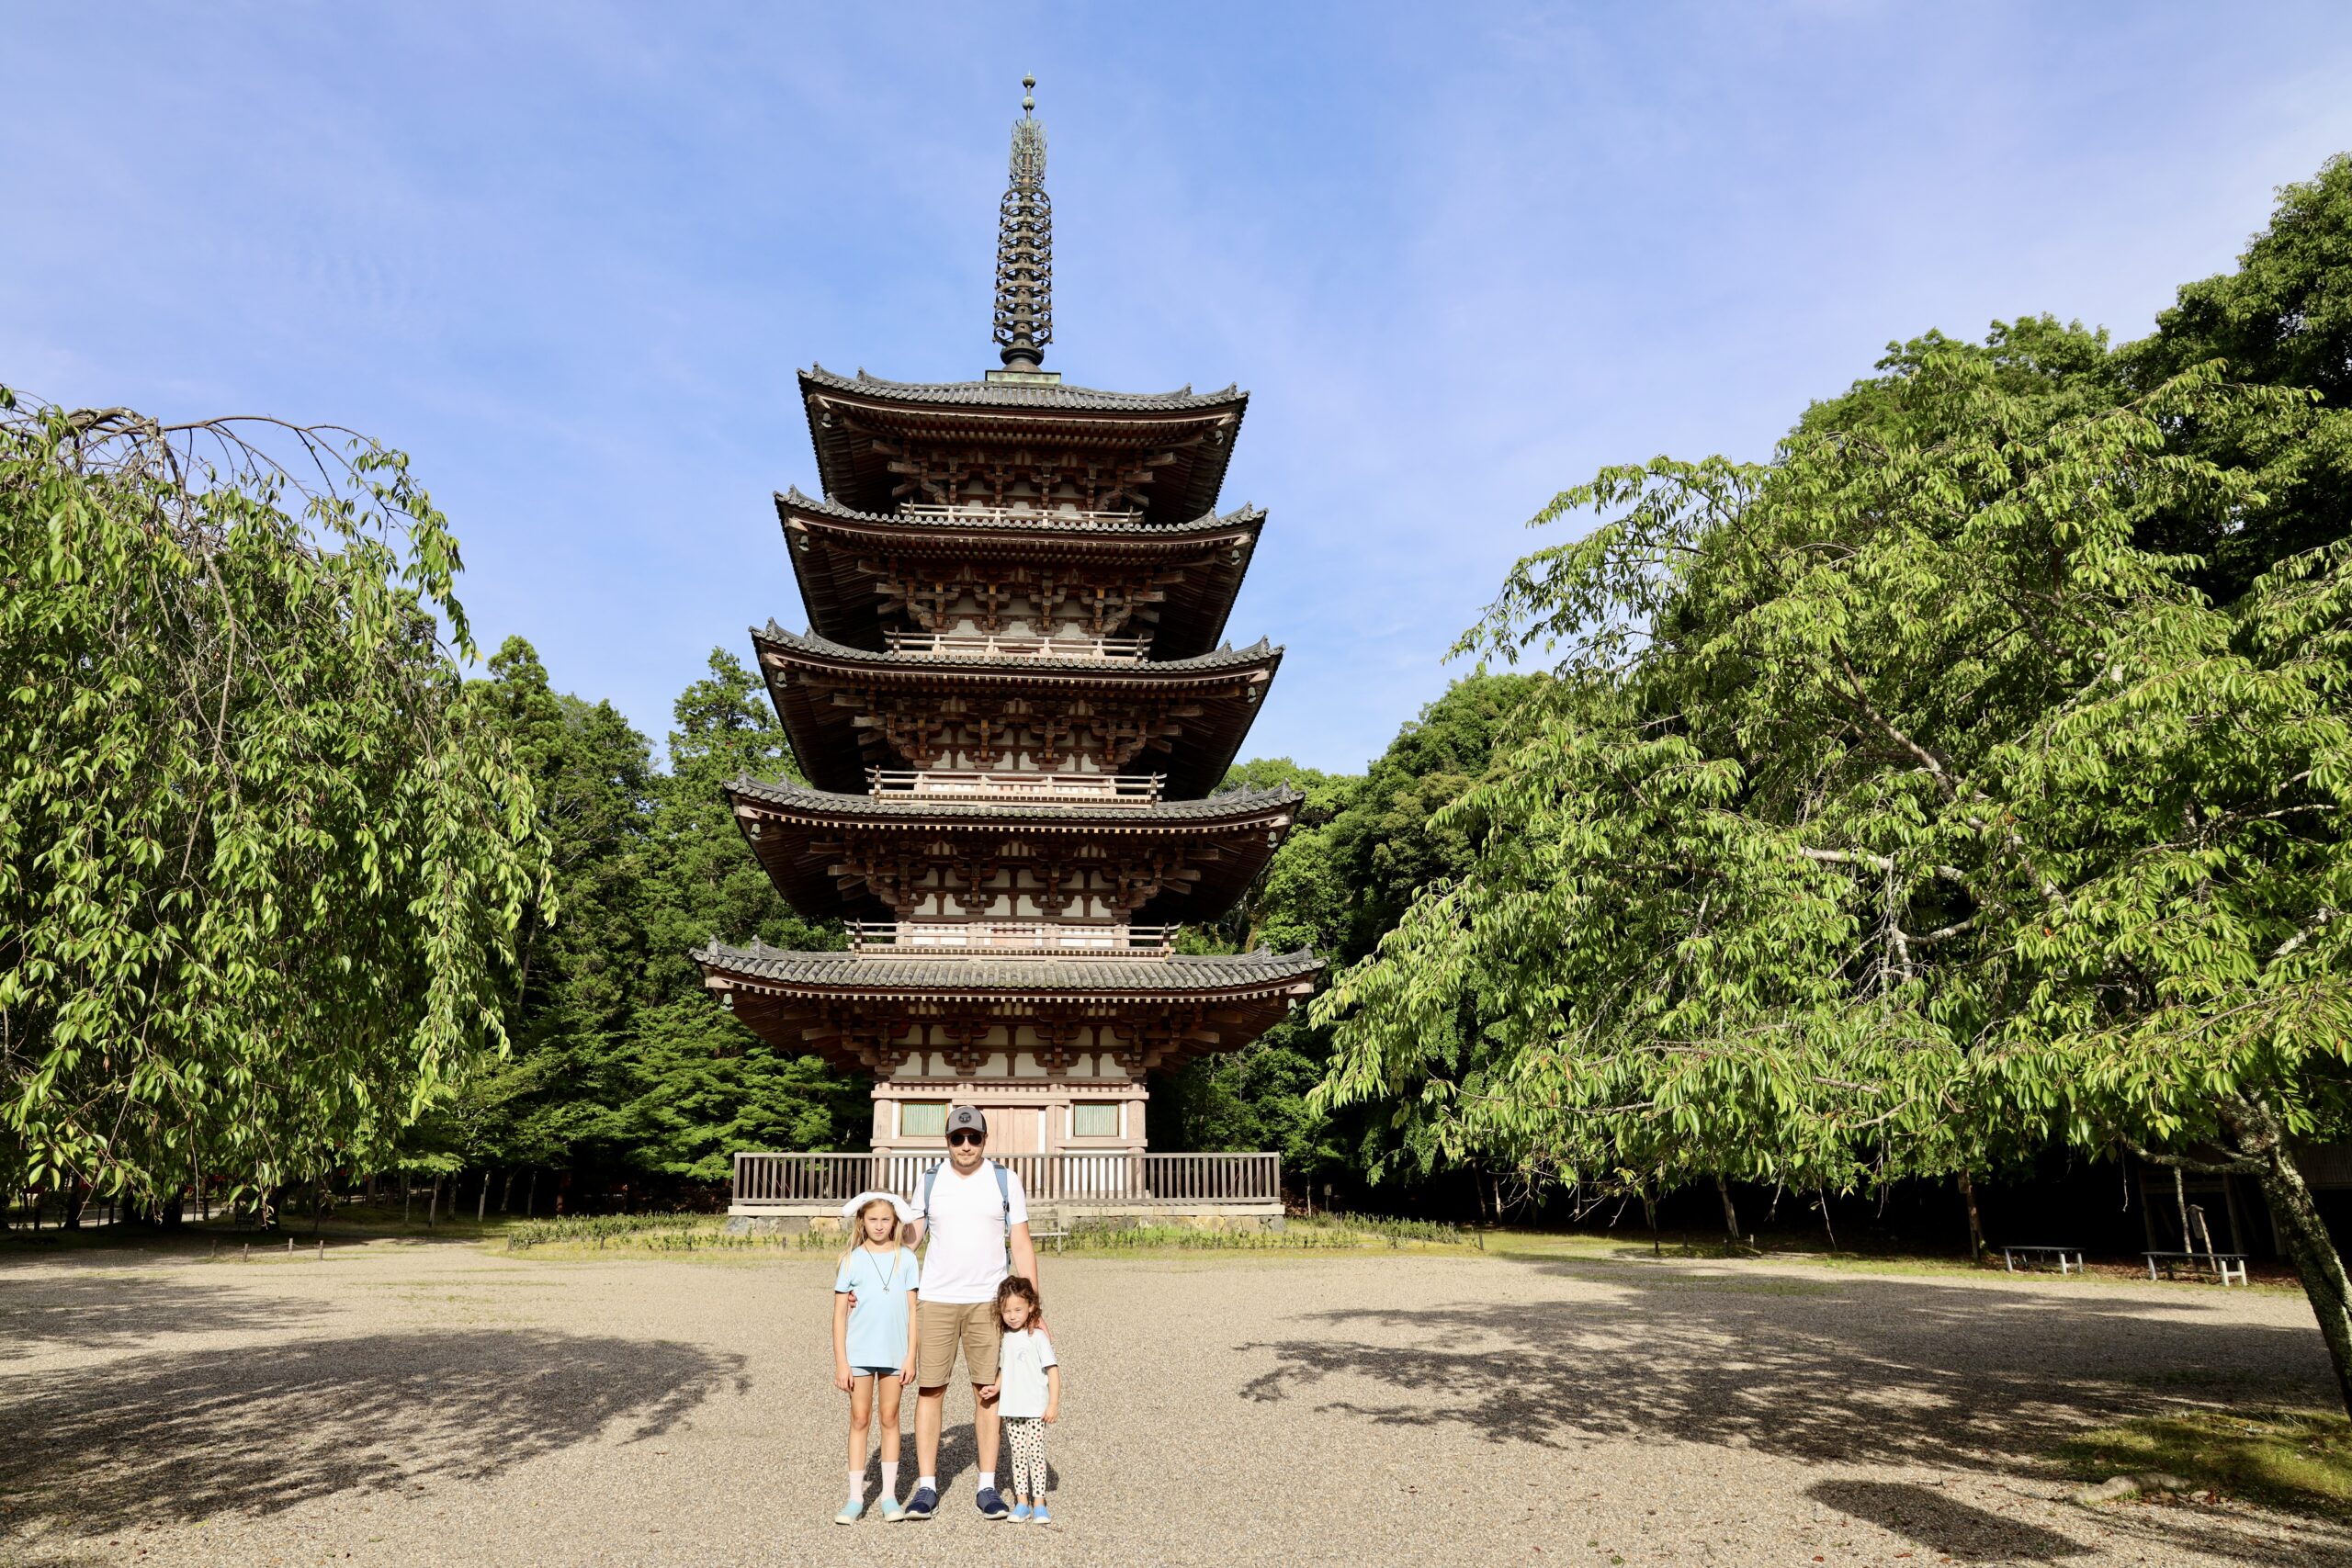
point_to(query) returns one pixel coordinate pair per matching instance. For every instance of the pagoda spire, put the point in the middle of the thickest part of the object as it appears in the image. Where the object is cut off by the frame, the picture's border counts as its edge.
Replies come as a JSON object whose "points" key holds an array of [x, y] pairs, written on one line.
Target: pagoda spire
{"points": [[1025, 246]]}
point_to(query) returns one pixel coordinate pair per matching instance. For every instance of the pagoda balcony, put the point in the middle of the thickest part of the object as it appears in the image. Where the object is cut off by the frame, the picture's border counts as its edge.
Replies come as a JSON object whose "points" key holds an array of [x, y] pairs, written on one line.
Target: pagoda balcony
{"points": [[999, 645], [1084, 789], [1069, 518], [1007, 939]]}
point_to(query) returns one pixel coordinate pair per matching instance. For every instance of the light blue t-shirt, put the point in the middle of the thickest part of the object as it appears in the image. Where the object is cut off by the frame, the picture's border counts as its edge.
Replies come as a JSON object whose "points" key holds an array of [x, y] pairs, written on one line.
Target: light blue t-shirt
{"points": [[878, 1324]]}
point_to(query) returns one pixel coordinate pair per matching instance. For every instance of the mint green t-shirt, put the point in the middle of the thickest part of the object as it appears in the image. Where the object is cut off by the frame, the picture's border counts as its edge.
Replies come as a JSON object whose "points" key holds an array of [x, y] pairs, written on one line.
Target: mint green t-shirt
{"points": [[878, 1324]]}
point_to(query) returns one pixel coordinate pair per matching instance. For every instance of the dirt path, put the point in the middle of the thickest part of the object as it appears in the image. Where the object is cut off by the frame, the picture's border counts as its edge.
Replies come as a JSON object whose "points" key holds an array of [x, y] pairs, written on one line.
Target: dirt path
{"points": [[415, 1404]]}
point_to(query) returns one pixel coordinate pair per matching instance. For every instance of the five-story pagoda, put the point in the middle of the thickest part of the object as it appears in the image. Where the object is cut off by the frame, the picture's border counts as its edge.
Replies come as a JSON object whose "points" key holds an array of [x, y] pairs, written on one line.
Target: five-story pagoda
{"points": [[1011, 703]]}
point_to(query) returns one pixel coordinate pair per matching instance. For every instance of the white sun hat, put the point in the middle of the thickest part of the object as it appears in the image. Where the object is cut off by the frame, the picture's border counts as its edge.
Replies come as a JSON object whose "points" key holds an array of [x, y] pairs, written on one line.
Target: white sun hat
{"points": [[898, 1206]]}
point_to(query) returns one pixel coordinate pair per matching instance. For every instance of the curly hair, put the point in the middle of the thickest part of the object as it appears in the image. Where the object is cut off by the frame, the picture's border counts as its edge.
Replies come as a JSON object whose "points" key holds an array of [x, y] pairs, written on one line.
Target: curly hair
{"points": [[1014, 1285]]}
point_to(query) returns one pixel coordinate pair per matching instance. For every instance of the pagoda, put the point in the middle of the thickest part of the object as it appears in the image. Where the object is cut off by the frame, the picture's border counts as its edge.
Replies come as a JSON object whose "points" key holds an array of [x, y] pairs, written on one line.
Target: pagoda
{"points": [[1012, 700]]}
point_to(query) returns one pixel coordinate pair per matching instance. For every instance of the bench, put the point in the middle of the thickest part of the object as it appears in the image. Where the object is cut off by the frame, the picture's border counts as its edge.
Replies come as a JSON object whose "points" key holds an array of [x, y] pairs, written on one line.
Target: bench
{"points": [[2228, 1267], [1056, 1237], [2068, 1258]]}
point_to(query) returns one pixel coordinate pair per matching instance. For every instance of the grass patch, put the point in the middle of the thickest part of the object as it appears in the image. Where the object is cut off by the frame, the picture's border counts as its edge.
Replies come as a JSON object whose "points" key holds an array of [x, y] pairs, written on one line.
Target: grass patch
{"points": [[2300, 1460], [657, 1234], [1349, 1235]]}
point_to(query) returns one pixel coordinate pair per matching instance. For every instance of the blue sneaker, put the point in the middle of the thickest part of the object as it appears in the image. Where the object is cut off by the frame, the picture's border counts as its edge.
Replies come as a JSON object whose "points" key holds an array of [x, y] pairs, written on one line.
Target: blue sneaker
{"points": [[1021, 1513], [990, 1506], [892, 1510], [919, 1506], [1037, 1516], [849, 1514]]}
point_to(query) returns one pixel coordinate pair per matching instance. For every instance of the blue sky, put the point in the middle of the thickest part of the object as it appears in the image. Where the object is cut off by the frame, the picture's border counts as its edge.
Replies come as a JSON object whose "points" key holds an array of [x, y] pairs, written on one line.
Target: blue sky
{"points": [[568, 257]]}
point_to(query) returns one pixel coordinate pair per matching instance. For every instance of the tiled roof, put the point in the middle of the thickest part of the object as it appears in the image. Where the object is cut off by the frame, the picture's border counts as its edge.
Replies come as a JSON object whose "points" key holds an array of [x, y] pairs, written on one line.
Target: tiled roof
{"points": [[1260, 652], [1008, 394], [933, 807], [1175, 974], [1042, 522]]}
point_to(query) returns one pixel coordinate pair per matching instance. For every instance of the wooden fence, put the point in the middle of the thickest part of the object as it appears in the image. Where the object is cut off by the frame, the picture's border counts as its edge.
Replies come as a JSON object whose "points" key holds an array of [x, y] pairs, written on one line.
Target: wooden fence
{"points": [[1066, 1180]]}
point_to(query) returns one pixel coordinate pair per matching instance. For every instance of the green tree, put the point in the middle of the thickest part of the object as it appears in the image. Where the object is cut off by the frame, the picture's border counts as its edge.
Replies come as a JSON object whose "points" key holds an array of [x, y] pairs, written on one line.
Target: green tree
{"points": [[1897, 799], [1360, 849], [703, 1085], [262, 862]]}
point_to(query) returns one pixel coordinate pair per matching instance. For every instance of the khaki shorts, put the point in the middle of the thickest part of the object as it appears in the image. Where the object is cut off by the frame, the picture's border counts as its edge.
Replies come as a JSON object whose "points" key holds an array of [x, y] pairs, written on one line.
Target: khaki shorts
{"points": [[943, 1326]]}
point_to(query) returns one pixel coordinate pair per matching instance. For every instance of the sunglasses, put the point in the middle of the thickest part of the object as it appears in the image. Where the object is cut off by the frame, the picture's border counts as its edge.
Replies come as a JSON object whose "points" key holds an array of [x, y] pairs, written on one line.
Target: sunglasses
{"points": [[955, 1138]]}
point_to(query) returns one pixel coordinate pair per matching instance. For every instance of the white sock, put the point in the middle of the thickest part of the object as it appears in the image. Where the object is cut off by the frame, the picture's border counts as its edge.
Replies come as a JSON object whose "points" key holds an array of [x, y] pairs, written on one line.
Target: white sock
{"points": [[988, 1480], [857, 1486], [926, 1484], [890, 1478]]}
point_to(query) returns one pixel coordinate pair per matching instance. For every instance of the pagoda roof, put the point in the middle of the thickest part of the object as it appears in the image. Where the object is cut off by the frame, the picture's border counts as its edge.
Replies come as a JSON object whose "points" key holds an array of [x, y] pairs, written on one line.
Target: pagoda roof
{"points": [[831, 748], [1024, 526], [1194, 432], [832, 550], [992, 980], [798, 832], [822, 1003], [1023, 394]]}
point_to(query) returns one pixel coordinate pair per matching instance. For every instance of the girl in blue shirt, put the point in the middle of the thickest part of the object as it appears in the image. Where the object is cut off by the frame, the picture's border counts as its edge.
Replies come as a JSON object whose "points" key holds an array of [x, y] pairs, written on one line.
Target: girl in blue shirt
{"points": [[874, 1343]]}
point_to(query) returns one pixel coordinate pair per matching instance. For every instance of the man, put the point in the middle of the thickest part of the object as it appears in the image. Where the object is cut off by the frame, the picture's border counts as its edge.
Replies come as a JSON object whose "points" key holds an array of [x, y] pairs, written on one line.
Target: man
{"points": [[976, 1218]]}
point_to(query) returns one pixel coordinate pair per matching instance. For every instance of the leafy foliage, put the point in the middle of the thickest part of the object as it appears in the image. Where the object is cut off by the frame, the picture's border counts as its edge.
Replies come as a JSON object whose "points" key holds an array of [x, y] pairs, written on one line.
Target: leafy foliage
{"points": [[622, 1067], [1361, 847], [262, 861], [1969, 775]]}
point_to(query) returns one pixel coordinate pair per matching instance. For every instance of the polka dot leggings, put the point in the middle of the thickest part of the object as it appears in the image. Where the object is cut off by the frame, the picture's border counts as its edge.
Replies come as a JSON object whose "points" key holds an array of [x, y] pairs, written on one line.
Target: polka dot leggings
{"points": [[1028, 1435]]}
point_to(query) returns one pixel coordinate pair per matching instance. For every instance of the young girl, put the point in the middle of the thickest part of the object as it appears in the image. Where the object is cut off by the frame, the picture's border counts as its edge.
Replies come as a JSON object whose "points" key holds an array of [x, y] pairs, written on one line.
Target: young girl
{"points": [[1028, 1391], [874, 1345]]}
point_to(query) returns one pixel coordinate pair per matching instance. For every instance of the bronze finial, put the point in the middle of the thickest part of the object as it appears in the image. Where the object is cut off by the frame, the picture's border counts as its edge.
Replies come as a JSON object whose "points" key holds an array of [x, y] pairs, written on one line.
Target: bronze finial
{"points": [[1025, 246]]}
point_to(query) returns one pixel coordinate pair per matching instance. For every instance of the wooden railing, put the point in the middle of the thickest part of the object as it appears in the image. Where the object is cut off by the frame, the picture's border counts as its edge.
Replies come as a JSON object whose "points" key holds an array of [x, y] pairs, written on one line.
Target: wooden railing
{"points": [[1071, 519], [1041, 939], [1092, 789], [1069, 1180], [1026, 645]]}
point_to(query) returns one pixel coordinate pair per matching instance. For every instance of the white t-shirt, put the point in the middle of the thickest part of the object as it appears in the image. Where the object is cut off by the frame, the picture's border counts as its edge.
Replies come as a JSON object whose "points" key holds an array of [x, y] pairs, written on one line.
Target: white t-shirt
{"points": [[1021, 1361], [964, 1233]]}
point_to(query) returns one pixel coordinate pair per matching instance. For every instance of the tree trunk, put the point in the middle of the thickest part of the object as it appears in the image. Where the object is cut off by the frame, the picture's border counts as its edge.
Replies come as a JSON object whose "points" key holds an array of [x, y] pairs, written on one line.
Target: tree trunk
{"points": [[77, 1197], [2180, 1196], [432, 1204], [2302, 1231], [506, 1194], [1975, 1225], [482, 1202], [1731, 1215], [406, 1192], [1823, 1196], [531, 1195]]}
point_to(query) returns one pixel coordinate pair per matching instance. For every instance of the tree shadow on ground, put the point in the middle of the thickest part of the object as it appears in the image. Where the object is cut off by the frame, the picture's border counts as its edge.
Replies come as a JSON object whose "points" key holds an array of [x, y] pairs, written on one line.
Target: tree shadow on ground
{"points": [[180, 1436], [1867, 1371], [105, 1307], [1944, 1524]]}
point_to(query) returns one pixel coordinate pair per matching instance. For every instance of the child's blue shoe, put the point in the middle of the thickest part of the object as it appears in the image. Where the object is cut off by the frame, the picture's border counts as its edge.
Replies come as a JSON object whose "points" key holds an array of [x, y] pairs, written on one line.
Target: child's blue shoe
{"points": [[990, 1506], [849, 1514], [1021, 1513], [919, 1506], [1037, 1516], [892, 1510]]}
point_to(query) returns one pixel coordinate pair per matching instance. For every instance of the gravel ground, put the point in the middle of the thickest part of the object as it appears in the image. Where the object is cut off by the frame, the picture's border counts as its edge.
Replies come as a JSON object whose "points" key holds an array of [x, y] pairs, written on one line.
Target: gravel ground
{"points": [[408, 1403]]}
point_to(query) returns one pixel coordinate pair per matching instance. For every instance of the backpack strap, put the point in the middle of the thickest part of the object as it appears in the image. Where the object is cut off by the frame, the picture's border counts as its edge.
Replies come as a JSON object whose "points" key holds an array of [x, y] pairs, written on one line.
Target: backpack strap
{"points": [[1003, 1195]]}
